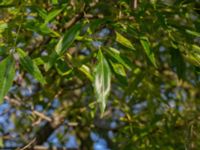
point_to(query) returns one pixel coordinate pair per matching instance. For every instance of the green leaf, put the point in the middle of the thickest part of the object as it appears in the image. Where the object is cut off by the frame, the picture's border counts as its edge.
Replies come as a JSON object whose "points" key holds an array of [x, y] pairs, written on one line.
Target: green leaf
{"points": [[52, 59], [124, 41], [7, 74], [102, 81], [117, 56], [54, 2], [194, 33], [145, 44], [30, 66], [66, 41], [3, 26], [62, 68], [119, 72], [193, 58], [86, 70], [196, 48], [52, 15], [63, 44]]}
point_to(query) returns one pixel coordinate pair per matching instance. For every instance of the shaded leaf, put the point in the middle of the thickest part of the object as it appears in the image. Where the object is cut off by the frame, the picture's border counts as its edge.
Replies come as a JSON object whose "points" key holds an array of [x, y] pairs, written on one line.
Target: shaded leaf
{"points": [[68, 38], [29, 65], [7, 74], [63, 44], [62, 68], [178, 63], [102, 81], [145, 44]]}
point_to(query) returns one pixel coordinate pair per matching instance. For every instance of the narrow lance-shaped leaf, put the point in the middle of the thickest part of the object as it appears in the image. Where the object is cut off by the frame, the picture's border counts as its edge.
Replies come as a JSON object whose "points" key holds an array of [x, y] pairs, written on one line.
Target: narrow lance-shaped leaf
{"points": [[145, 44], [29, 65], [102, 81], [52, 15], [117, 56], [63, 44], [68, 39], [124, 41], [194, 33], [7, 74]]}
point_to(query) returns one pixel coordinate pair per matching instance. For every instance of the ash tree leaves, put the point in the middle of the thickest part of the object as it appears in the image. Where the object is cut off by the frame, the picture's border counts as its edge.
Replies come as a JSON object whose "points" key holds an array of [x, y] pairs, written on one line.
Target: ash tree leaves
{"points": [[102, 81], [7, 74], [30, 66]]}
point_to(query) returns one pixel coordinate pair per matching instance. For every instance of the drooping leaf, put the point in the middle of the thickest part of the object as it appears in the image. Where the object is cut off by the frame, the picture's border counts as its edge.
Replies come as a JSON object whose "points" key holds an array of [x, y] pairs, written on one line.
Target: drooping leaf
{"points": [[145, 44], [29, 65], [124, 41], [102, 80], [7, 74]]}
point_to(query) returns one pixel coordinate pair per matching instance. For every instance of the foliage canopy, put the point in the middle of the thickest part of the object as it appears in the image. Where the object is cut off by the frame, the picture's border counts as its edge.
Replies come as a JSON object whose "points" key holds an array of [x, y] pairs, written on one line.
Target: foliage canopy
{"points": [[123, 71]]}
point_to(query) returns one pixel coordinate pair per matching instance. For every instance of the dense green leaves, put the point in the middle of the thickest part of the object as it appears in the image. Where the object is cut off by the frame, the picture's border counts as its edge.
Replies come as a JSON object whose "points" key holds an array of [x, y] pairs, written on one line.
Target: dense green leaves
{"points": [[29, 65], [151, 48], [7, 74], [102, 81]]}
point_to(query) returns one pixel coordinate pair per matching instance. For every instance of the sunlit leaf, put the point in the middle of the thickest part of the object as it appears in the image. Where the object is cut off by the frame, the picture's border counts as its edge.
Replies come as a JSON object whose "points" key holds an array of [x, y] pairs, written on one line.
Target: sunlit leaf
{"points": [[29, 65], [118, 57], [194, 33], [124, 41], [119, 73], [193, 58], [85, 69], [7, 73], [145, 44], [102, 81]]}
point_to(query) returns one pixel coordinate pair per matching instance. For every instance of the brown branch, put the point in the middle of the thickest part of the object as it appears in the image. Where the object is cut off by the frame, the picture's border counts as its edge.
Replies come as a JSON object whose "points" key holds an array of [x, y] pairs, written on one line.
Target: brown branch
{"points": [[42, 116], [27, 146], [73, 21]]}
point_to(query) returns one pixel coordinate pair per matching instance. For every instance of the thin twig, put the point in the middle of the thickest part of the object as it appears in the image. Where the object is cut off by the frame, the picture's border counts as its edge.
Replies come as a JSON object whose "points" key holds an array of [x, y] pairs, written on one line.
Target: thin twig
{"points": [[28, 145]]}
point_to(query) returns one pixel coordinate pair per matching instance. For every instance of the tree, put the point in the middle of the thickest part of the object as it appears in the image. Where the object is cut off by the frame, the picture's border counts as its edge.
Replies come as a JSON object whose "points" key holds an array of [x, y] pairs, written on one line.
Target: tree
{"points": [[121, 74]]}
